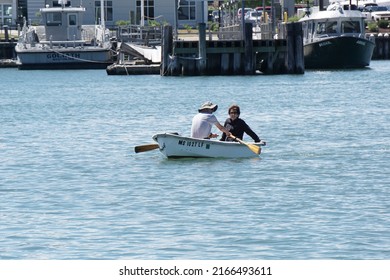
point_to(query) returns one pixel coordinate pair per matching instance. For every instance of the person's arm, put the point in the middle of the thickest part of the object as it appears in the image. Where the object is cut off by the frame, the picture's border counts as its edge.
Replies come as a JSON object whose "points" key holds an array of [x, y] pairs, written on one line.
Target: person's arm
{"points": [[223, 129], [250, 132], [223, 137]]}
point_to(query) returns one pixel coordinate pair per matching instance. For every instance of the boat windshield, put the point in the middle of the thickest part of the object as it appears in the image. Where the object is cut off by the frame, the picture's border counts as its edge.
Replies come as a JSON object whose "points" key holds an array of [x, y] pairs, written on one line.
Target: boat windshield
{"points": [[328, 27], [350, 27]]}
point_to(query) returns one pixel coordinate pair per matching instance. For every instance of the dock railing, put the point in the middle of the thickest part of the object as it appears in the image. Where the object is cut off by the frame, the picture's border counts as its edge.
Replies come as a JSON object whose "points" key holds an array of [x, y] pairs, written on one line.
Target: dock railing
{"points": [[145, 35]]}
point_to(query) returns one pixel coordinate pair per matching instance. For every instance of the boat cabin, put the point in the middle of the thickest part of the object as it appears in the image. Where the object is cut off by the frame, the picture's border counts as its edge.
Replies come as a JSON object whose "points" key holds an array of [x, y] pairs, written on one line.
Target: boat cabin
{"points": [[336, 21], [62, 23]]}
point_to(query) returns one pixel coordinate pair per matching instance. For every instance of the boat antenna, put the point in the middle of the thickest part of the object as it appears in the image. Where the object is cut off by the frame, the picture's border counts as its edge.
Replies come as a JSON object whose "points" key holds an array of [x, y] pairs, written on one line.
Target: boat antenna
{"points": [[62, 2], [307, 12], [102, 14]]}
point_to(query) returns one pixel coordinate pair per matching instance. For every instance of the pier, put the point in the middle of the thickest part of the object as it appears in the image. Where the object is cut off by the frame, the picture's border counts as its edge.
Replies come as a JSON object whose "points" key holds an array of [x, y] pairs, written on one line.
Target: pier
{"points": [[381, 50], [7, 48], [233, 55]]}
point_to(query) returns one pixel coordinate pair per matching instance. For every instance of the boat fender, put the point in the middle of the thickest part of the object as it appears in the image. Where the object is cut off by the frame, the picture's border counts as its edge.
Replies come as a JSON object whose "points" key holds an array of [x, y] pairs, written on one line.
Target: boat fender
{"points": [[35, 36]]}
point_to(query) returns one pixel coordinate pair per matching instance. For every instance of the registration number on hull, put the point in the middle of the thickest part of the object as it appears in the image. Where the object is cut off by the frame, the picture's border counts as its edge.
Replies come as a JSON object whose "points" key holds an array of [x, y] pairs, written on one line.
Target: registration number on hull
{"points": [[192, 143]]}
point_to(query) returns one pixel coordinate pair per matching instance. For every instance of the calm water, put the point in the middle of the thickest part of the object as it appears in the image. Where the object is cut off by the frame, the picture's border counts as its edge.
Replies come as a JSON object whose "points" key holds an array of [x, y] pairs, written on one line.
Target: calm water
{"points": [[71, 186]]}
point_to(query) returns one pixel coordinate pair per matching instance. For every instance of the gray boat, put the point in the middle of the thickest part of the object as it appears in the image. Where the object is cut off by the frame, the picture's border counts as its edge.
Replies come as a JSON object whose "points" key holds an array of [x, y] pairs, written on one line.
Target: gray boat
{"points": [[63, 42]]}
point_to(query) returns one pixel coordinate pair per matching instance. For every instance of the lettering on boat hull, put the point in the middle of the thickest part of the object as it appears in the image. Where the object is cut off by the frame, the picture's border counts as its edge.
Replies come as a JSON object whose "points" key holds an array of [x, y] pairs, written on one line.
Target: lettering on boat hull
{"points": [[196, 144], [62, 56], [326, 43]]}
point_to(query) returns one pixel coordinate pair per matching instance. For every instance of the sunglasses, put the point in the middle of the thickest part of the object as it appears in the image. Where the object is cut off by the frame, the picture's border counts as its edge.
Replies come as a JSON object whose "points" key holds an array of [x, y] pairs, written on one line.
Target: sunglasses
{"points": [[235, 113]]}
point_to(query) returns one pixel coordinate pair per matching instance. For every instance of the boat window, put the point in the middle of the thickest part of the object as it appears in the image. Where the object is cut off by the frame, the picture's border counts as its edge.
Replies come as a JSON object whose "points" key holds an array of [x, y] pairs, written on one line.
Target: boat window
{"points": [[350, 27], [327, 27], [308, 29], [72, 20], [53, 19]]}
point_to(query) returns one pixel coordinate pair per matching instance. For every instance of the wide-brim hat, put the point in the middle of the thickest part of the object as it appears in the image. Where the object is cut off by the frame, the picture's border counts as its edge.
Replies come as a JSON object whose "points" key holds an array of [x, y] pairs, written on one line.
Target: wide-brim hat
{"points": [[208, 105]]}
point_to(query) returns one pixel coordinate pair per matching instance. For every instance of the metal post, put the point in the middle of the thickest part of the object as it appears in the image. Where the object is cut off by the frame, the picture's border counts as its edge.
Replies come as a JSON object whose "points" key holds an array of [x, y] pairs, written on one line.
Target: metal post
{"points": [[273, 18], [176, 7], [243, 18], [142, 13]]}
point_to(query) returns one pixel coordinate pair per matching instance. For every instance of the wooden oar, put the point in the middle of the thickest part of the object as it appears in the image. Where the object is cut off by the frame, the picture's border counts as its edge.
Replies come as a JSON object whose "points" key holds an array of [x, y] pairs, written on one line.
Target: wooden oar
{"points": [[145, 148], [252, 147]]}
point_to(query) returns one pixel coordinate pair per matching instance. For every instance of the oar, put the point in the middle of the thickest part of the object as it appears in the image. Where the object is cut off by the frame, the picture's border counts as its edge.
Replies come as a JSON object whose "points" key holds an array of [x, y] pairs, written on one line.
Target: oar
{"points": [[252, 147], [145, 148]]}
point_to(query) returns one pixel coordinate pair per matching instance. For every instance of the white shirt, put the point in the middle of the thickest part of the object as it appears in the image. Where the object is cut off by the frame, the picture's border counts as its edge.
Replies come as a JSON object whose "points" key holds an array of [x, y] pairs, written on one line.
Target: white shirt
{"points": [[202, 124]]}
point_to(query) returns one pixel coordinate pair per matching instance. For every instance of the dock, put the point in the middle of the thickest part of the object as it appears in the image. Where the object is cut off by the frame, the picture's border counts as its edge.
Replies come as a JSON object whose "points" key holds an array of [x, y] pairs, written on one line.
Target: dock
{"points": [[382, 44], [133, 69], [229, 55]]}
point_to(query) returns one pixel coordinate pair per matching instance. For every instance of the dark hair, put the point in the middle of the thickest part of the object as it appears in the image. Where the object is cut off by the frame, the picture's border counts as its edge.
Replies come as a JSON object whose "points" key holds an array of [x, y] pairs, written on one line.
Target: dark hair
{"points": [[234, 107]]}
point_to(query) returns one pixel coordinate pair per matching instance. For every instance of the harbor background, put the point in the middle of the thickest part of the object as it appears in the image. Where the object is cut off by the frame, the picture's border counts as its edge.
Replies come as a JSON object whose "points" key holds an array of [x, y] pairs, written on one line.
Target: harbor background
{"points": [[73, 188]]}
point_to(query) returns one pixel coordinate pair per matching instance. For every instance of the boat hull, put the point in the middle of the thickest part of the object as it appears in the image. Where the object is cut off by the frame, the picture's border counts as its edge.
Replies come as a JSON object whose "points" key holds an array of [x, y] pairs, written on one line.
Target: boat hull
{"points": [[338, 53], [176, 146], [63, 58]]}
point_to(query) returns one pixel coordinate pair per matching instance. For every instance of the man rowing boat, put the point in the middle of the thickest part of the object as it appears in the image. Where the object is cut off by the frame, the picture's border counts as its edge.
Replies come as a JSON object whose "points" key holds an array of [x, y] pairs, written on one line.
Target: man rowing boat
{"points": [[204, 120]]}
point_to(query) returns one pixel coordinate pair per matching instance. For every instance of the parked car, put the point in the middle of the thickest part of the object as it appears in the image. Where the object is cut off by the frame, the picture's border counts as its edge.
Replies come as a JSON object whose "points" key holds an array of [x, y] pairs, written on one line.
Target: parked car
{"points": [[216, 14], [268, 10], [381, 15], [253, 17], [245, 11], [370, 11]]}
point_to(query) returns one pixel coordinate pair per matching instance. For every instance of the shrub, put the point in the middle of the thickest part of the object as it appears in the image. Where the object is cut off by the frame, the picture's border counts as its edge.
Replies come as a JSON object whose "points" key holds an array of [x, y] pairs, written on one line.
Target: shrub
{"points": [[373, 27], [383, 23], [187, 27], [122, 22], [214, 26], [293, 19]]}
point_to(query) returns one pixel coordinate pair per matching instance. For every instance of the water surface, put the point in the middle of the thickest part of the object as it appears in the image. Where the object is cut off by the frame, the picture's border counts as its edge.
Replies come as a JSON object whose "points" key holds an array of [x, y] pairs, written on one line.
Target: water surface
{"points": [[71, 186]]}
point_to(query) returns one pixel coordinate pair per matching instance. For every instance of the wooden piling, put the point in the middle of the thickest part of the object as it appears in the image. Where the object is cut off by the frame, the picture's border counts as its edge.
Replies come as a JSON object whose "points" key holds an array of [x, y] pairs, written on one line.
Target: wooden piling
{"points": [[166, 49], [249, 65], [290, 57], [386, 48], [202, 49], [225, 63], [298, 49], [294, 62]]}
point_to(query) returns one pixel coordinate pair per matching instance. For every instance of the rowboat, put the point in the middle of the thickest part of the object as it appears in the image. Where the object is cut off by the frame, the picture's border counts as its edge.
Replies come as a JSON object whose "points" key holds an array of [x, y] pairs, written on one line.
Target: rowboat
{"points": [[176, 146]]}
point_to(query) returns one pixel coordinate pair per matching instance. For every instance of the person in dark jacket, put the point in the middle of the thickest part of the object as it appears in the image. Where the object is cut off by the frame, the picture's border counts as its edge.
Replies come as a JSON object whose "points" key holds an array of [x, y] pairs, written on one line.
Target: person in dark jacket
{"points": [[237, 126]]}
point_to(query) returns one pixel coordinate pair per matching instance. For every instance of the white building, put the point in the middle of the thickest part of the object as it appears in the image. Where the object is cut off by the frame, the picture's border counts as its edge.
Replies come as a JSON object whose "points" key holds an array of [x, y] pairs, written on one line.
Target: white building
{"points": [[189, 12], [7, 12]]}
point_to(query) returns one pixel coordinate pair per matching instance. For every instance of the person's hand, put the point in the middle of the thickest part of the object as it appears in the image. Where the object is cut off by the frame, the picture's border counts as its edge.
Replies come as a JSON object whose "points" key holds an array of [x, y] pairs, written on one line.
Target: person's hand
{"points": [[213, 135]]}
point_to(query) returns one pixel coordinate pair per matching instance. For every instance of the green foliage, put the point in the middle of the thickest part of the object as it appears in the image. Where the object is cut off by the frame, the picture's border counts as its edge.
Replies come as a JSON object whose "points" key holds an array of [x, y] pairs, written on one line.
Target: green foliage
{"points": [[293, 19], [187, 27], [214, 26], [373, 27], [122, 22], [154, 23], [383, 23]]}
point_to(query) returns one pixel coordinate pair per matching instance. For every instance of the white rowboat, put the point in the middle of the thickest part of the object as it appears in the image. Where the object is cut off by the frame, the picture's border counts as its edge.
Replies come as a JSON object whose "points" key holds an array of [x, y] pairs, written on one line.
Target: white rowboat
{"points": [[175, 146]]}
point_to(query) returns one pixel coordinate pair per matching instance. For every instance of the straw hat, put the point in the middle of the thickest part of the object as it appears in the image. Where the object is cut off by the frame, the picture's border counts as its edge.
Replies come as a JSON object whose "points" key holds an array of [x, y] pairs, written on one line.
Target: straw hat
{"points": [[208, 105]]}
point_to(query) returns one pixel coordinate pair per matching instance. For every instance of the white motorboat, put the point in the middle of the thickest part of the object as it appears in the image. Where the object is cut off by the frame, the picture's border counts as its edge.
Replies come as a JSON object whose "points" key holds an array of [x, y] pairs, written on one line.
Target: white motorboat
{"points": [[176, 146], [63, 42]]}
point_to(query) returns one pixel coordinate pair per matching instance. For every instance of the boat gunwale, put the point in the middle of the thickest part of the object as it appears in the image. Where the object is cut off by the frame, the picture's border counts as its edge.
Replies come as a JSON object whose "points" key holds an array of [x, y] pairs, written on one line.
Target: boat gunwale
{"points": [[213, 141], [239, 150]]}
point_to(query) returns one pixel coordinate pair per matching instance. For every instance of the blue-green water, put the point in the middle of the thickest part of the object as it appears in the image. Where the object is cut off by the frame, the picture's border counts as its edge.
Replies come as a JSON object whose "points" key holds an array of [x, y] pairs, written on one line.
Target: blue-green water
{"points": [[71, 186]]}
